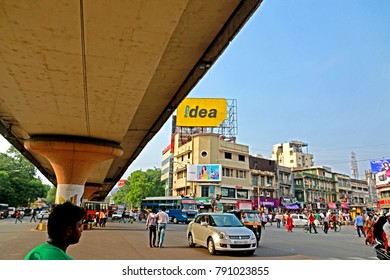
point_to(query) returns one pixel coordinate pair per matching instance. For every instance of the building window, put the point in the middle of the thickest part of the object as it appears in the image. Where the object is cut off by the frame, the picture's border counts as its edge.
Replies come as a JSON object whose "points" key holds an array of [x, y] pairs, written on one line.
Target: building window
{"points": [[180, 174], [242, 194], [227, 172], [241, 158], [255, 180], [228, 155], [262, 183], [228, 192], [204, 154], [205, 191], [241, 174]]}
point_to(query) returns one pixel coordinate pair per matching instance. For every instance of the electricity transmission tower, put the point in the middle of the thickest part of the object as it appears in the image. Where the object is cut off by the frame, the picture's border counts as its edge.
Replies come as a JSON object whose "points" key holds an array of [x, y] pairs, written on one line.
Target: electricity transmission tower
{"points": [[354, 166]]}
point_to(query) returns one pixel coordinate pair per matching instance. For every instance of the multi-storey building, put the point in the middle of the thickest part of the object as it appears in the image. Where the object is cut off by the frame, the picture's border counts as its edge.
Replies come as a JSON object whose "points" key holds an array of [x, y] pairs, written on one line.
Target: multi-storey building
{"points": [[360, 193], [254, 178], [315, 187], [373, 191], [263, 182], [344, 190], [209, 148], [382, 189], [166, 170], [291, 154]]}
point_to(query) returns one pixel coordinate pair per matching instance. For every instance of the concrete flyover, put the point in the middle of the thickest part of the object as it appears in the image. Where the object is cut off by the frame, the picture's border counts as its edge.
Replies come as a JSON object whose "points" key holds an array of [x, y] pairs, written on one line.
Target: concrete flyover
{"points": [[86, 84]]}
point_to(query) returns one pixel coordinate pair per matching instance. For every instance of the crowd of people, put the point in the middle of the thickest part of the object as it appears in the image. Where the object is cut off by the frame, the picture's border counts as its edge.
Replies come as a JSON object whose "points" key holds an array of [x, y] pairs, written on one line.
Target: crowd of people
{"points": [[100, 218], [372, 226], [65, 225]]}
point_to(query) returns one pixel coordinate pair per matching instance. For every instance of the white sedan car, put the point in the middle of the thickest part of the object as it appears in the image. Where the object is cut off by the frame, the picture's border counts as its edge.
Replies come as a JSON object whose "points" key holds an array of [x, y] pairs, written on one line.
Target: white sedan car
{"points": [[299, 220], [221, 232], [44, 214]]}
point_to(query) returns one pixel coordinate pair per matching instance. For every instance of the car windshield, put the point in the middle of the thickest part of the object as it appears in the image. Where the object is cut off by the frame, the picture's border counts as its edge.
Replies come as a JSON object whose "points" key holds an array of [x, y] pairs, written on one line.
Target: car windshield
{"points": [[227, 221], [251, 217], [189, 206]]}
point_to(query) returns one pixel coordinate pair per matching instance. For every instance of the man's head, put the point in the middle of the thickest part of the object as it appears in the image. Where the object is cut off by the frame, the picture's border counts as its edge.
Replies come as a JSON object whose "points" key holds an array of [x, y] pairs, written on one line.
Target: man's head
{"points": [[65, 223], [388, 216], [163, 208]]}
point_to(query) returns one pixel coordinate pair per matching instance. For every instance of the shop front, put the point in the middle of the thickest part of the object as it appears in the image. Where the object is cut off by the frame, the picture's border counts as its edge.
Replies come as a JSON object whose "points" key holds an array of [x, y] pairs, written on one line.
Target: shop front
{"points": [[384, 204], [230, 195], [204, 204], [358, 208]]}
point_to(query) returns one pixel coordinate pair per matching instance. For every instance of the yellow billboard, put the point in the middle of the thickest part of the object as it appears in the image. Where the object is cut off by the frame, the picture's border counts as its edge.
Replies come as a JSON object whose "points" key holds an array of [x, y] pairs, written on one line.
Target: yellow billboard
{"points": [[209, 112]]}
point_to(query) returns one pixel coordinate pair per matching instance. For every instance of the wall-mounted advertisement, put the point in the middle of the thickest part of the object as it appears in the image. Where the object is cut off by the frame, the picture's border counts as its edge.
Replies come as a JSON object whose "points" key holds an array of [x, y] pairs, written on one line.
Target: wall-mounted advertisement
{"points": [[204, 172], [380, 165], [381, 169], [382, 178]]}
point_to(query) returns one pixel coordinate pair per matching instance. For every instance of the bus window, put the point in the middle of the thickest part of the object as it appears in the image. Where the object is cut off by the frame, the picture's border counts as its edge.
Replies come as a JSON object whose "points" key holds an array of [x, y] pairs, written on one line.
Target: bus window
{"points": [[179, 209]]}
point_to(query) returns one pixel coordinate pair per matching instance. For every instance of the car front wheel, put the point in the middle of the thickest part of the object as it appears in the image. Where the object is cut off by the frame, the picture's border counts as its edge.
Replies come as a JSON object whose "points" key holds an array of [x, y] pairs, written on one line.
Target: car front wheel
{"points": [[191, 241], [211, 246]]}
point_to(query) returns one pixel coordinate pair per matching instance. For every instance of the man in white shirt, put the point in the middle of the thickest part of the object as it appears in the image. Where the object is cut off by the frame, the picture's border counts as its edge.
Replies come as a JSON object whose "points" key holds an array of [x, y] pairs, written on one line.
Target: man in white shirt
{"points": [[162, 221]]}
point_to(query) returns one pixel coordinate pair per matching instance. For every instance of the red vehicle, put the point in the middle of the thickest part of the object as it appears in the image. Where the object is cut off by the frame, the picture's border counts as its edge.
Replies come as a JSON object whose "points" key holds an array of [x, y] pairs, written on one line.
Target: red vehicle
{"points": [[91, 207]]}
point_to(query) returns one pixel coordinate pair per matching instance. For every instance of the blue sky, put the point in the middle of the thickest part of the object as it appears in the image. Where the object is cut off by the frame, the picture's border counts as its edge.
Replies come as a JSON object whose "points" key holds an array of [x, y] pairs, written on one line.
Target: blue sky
{"points": [[314, 71]]}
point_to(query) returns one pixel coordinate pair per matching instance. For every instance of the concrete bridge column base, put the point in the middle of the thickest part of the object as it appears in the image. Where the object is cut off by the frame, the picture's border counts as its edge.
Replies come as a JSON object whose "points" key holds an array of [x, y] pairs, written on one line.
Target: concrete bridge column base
{"points": [[72, 161]]}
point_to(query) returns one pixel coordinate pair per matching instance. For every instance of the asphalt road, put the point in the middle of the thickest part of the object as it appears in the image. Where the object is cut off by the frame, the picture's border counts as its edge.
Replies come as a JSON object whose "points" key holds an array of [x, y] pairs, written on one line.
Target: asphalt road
{"points": [[119, 241]]}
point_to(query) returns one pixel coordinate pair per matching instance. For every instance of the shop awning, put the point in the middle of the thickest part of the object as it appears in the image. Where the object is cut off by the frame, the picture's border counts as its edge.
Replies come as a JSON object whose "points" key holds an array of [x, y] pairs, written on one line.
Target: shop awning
{"points": [[344, 205], [332, 205]]}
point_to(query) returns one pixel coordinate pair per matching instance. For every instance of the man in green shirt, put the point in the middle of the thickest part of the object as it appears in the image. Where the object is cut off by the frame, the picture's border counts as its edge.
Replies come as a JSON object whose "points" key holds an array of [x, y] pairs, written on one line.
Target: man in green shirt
{"points": [[317, 216], [64, 226]]}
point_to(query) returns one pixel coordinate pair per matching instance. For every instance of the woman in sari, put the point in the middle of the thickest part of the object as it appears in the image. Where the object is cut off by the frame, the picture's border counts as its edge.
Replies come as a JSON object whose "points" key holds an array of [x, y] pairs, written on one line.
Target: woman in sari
{"points": [[289, 223], [369, 230]]}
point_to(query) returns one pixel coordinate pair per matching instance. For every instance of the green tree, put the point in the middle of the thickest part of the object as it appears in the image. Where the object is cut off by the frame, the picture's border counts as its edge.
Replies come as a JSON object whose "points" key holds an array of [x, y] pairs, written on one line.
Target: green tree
{"points": [[19, 183], [51, 195], [121, 196], [140, 184]]}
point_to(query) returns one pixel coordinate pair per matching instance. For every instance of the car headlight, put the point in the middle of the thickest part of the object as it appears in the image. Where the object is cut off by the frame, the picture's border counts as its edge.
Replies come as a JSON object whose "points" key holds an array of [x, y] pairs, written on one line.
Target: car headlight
{"points": [[253, 236], [222, 235]]}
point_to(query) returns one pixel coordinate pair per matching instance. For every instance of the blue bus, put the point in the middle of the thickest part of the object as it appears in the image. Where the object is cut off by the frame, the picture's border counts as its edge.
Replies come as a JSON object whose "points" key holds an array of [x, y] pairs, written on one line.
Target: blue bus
{"points": [[179, 209]]}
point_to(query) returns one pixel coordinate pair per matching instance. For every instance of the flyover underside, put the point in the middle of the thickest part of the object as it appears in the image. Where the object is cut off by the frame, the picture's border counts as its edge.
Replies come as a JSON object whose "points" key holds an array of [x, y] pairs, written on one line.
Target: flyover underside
{"points": [[113, 71]]}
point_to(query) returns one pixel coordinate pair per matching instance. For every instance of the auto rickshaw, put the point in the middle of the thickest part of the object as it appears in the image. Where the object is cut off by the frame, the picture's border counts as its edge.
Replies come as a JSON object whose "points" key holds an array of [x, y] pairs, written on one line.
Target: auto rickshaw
{"points": [[250, 219]]}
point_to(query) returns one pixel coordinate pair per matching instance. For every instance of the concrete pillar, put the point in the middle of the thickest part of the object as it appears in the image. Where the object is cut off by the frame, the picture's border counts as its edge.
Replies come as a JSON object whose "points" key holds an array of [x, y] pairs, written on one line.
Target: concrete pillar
{"points": [[72, 159]]}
